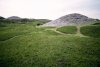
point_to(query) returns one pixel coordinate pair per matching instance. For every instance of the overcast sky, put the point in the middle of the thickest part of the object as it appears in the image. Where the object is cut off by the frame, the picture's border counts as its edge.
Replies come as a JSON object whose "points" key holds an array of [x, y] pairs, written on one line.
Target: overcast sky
{"points": [[49, 9]]}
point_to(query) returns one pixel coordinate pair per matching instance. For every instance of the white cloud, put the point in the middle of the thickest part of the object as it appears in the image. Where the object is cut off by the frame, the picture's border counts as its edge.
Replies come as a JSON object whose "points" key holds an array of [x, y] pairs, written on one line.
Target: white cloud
{"points": [[50, 9]]}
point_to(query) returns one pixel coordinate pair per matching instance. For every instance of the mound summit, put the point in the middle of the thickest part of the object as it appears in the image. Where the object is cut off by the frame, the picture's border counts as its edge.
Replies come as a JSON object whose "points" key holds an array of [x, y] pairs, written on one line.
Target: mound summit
{"points": [[14, 18], [71, 19]]}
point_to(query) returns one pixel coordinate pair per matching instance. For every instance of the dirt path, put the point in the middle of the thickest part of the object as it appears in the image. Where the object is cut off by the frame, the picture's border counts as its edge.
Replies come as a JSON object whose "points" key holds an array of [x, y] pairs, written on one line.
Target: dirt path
{"points": [[55, 30], [79, 33], [78, 29], [58, 31]]}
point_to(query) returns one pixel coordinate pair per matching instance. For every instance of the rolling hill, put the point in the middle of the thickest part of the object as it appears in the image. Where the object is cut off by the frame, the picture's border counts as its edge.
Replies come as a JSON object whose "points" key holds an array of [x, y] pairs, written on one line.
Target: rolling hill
{"points": [[14, 18], [71, 19]]}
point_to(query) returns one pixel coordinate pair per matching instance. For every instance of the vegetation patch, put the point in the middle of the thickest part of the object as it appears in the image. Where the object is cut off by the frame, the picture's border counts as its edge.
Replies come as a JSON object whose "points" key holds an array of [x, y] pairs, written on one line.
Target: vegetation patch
{"points": [[96, 23], [92, 31], [68, 29]]}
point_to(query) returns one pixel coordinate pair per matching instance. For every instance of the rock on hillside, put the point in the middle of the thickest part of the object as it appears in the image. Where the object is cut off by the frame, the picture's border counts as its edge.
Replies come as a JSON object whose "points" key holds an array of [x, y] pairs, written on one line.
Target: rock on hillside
{"points": [[71, 19]]}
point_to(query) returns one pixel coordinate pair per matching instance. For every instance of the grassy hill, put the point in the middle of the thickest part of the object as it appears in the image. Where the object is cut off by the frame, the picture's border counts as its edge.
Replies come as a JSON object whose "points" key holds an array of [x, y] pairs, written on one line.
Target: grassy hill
{"points": [[92, 31], [26, 45], [68, 29]]}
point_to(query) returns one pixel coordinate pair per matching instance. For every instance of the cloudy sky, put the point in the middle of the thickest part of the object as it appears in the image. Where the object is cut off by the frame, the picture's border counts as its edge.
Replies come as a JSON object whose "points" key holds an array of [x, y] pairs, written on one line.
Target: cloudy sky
{"points": [[49, 9]]}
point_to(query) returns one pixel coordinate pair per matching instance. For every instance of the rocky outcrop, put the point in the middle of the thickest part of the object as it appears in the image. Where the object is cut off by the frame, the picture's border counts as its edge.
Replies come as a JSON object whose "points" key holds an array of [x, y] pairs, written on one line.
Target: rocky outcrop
{"points": [[71, 19]]}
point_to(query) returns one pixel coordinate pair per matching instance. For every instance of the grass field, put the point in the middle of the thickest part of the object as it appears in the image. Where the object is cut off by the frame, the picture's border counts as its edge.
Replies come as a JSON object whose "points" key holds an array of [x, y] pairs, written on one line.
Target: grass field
{"points": [[92, 31], [24, 45], [68, 29]]}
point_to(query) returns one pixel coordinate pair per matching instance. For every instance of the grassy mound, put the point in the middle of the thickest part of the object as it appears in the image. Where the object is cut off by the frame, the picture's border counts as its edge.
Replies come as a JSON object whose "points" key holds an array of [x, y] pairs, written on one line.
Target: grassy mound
{"points": [[96, 23], [93, 31], [68, 29]]}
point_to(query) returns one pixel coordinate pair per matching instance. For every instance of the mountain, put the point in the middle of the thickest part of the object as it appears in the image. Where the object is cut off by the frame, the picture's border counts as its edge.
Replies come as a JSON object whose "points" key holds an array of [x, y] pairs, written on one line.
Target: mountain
{"points": [[14, 18], [71, 19]]}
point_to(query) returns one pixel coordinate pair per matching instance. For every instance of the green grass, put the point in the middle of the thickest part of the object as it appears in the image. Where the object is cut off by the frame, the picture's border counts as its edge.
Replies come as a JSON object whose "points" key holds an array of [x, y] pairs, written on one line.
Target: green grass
{"points": [[92, 31], [68, 29], [96, 23], [28, 46], [15, 30], [10, 30]]}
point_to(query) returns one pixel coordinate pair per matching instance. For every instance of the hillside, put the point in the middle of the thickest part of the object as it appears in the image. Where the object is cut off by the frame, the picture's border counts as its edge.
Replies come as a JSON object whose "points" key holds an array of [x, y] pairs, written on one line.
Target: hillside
{"points": [[71, 19], [26, 45]]}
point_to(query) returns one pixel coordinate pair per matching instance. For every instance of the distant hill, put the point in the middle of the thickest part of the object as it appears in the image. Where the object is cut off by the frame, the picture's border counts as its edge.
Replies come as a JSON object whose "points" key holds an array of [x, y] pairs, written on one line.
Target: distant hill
{"points": [[1, 18], [44, 20], [14, 18], [71, 19]]}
